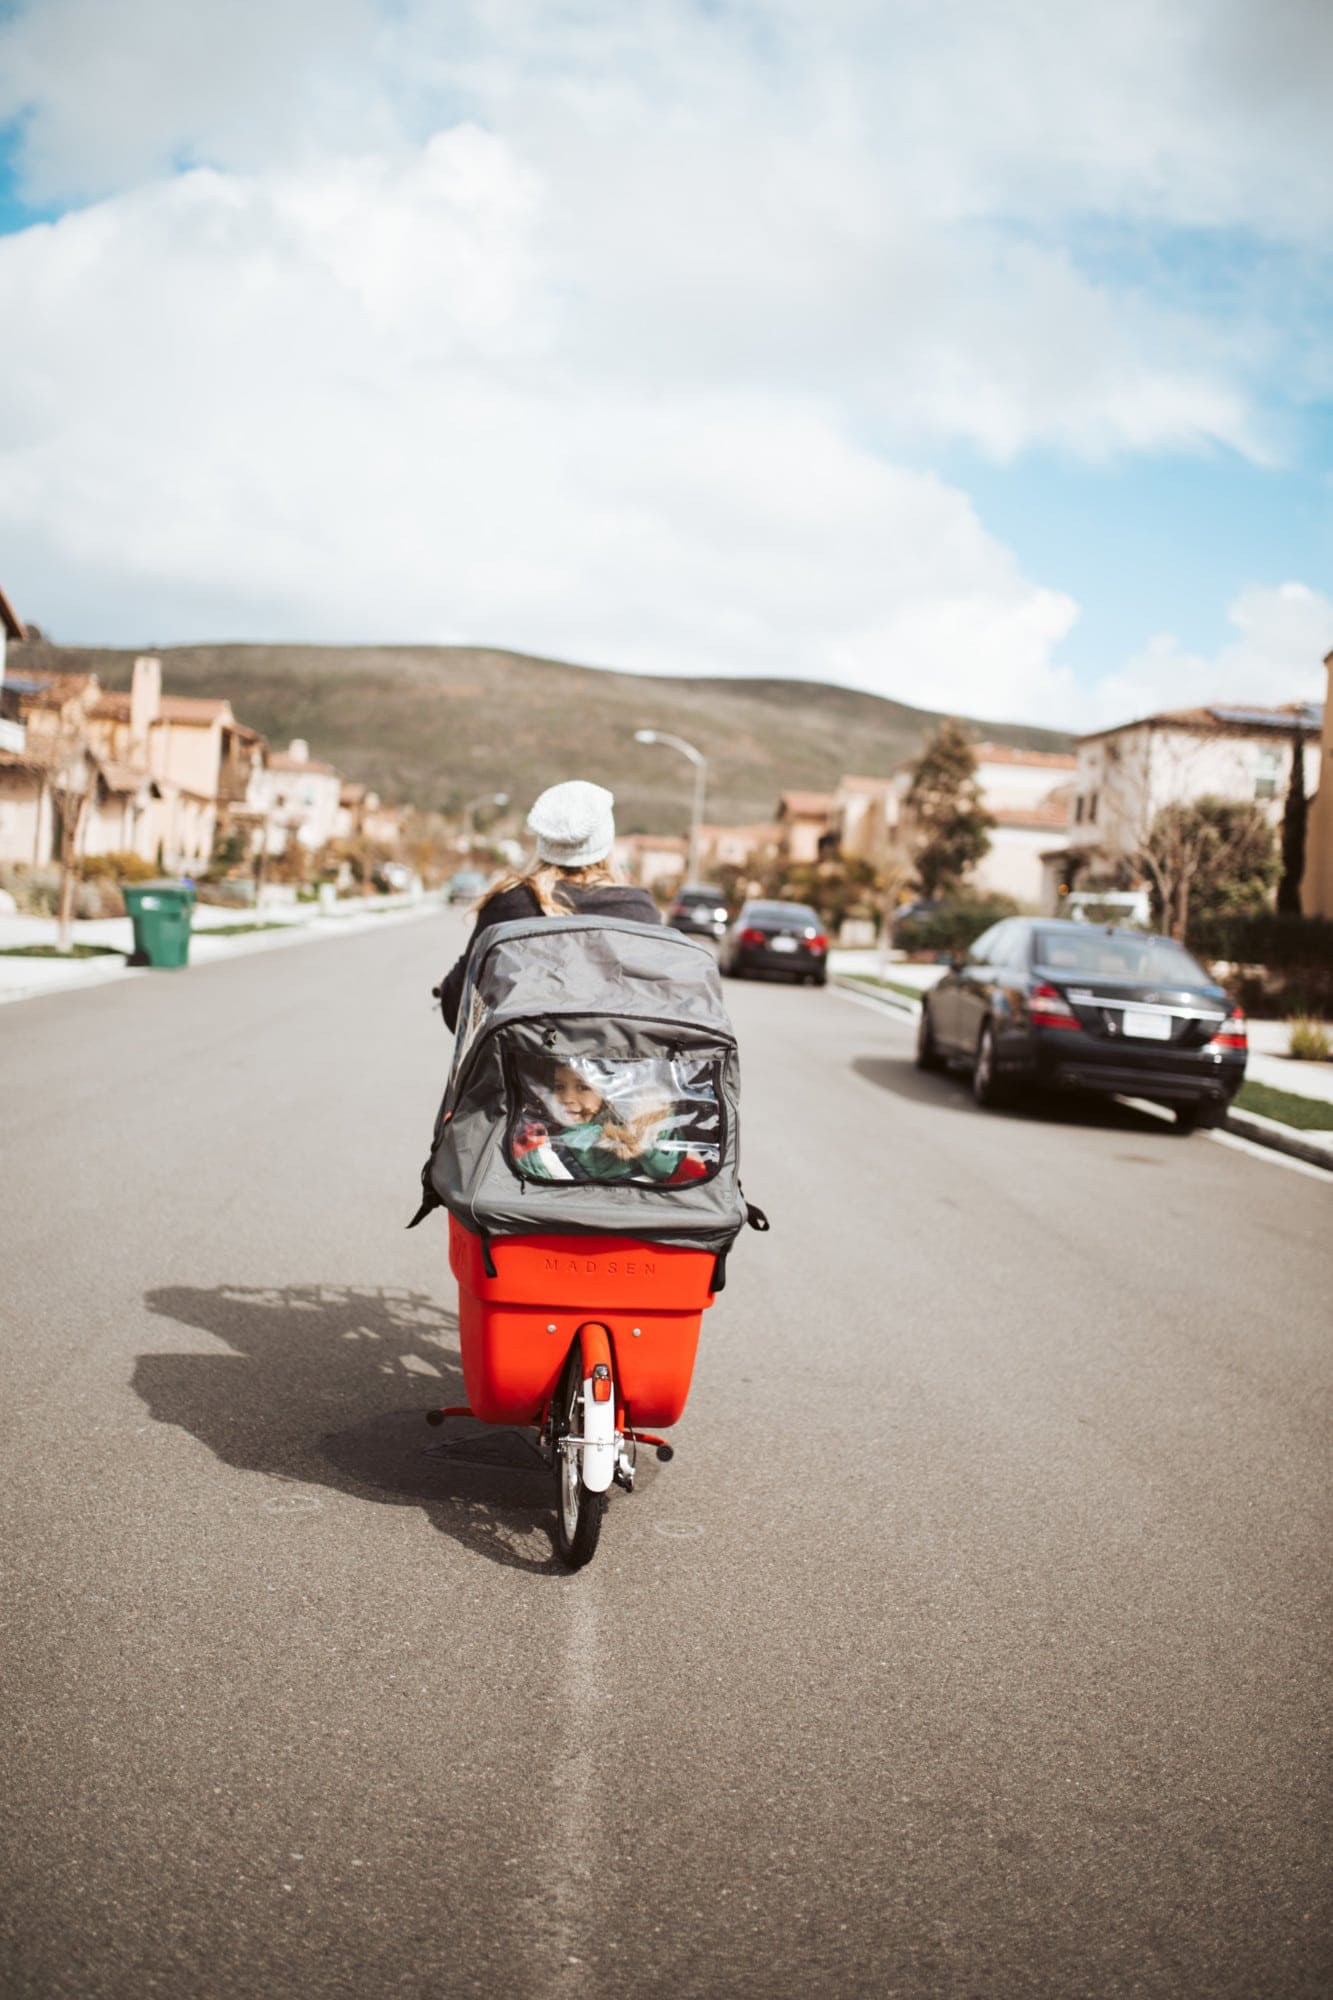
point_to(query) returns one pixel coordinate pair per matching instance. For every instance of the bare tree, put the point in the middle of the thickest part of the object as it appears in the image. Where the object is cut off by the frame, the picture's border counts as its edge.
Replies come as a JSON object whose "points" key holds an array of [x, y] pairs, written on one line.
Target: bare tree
{"points": [[1206, 851], [1196, 846], [70, 778]]}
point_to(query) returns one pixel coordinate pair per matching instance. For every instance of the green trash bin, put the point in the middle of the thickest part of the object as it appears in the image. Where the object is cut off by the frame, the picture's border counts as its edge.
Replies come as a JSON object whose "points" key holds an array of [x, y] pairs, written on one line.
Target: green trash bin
{"points": [[160, 913]]}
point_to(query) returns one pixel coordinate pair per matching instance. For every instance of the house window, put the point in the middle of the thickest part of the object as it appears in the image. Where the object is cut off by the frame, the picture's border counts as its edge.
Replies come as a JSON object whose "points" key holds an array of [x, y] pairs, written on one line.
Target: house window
{"points": [[1092, 804], [1078, 810], [1267, 774]]}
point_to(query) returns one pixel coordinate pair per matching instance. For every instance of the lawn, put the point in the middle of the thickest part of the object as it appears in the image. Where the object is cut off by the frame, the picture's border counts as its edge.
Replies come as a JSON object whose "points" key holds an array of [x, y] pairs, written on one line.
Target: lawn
{"points": [[238, 930], [1306, 1114], [54, 951], [893, 985]]}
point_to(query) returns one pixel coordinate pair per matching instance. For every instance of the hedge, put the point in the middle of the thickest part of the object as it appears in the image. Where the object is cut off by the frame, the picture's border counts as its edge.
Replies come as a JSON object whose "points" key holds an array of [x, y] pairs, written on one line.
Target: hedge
{"points": [[1282, 942], [954, 925]]}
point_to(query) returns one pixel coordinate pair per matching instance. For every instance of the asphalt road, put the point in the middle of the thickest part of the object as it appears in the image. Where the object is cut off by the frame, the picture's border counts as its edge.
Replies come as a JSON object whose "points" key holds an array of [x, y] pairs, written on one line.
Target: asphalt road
{"points": [[974, 1644]]}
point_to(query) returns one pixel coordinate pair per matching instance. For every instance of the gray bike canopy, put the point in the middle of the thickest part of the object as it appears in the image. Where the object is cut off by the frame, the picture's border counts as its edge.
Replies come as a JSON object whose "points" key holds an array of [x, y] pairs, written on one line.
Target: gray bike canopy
{"points": [[594, 1089]]}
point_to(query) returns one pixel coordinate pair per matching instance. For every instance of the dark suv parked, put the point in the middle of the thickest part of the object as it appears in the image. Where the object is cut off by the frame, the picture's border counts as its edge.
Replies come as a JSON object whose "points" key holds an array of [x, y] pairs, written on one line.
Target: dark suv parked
{"points": [[1077, 1007]]}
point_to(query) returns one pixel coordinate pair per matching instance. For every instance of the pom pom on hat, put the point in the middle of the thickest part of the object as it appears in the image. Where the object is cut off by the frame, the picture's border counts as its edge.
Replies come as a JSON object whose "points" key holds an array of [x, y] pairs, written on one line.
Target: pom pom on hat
{"points": [[573, 823]]}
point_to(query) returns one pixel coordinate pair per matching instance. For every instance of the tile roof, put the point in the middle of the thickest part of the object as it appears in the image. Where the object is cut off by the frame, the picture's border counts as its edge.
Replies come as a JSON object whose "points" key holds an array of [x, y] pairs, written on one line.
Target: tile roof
{"points": [[124, 777], [50, 690], [194, 709], [1007, 753], [1048, 813], [806, 805], [282, 760], [1226, 719]]}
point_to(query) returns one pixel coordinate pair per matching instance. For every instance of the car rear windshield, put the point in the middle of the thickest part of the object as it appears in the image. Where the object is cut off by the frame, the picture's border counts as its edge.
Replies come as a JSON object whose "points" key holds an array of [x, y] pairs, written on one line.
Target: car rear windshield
{"points": [[698, 892], [1118, 955], [782, 913]]}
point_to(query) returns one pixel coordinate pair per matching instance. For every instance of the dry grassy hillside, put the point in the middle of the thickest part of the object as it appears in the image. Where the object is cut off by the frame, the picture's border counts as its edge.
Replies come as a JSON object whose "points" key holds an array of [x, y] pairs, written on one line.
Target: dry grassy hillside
{"points": [[437, 724]]}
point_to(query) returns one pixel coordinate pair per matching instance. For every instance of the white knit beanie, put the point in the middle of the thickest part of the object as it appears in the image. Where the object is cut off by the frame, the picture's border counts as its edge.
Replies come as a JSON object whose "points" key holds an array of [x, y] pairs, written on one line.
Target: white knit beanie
{"points": [[573, 823]]}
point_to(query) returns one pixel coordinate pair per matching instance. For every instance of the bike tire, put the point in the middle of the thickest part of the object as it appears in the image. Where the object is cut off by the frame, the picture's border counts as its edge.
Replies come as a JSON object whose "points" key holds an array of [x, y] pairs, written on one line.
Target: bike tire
{"points": [[578, 1513]]}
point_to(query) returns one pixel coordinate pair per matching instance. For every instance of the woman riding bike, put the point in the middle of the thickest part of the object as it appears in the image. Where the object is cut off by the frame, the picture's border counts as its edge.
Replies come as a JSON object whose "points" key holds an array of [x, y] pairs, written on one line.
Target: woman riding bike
{"points": [[572, 872]]}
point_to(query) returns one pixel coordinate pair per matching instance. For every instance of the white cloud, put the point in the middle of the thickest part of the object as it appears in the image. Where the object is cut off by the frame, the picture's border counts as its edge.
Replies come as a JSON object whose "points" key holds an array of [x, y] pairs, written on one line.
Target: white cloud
{"points": [[603, 331], [335, 404], [1282, 635]]}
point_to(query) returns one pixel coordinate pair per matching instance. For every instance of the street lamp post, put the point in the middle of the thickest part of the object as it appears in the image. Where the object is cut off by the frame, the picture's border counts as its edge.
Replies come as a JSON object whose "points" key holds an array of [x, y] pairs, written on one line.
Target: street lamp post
{"points": [[700, 763], [482, 799]]}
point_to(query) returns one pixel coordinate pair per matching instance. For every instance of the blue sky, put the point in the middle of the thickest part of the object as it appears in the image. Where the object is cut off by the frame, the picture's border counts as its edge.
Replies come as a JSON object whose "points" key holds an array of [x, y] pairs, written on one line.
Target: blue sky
{"points": [[979, 357]]}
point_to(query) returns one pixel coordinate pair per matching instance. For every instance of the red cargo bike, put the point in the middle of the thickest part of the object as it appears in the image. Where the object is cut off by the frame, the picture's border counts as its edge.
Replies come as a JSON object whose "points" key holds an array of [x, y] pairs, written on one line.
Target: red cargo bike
{"points": [[587, 1151]]}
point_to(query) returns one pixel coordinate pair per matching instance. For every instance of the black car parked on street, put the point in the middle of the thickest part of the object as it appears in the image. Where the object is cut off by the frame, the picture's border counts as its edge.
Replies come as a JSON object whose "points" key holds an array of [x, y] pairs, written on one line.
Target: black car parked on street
{"points": [[699, 910], [1074, 1006], [776, 937]]}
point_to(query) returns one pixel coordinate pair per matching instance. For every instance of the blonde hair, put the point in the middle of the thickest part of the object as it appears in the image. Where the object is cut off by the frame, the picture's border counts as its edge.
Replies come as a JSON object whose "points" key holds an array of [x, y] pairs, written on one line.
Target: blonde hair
{"points": [[546, 879]]}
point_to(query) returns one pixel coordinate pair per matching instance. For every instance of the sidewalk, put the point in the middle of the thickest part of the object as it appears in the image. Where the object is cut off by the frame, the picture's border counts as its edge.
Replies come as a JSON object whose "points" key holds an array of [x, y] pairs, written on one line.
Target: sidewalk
{"points": [[28, 978]]}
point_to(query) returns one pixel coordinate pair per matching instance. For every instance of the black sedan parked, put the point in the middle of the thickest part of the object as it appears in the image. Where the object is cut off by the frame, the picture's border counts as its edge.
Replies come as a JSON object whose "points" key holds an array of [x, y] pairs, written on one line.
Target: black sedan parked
{"points": [[776, 937], [1074, 1007]]}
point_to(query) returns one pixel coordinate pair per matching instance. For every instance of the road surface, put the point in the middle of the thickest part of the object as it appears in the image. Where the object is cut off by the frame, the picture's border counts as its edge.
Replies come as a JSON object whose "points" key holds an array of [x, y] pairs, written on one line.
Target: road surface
{"points": [[974, 1644]]}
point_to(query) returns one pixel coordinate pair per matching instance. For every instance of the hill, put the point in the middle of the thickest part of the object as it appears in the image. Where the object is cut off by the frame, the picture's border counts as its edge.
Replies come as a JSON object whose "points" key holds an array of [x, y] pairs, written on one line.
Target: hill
{"points": [[438, 724]]}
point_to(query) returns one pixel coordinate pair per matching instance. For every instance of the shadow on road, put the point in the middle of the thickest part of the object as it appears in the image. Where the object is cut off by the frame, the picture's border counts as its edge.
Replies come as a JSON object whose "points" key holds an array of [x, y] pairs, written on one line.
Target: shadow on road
{"points": [[950, 1090], [313, 1392]]}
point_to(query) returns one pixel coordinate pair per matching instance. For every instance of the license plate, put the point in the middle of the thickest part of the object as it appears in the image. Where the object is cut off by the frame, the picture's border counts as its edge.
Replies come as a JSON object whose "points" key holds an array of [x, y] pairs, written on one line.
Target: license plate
{"points": [[1149, 1027], [782, 944]]}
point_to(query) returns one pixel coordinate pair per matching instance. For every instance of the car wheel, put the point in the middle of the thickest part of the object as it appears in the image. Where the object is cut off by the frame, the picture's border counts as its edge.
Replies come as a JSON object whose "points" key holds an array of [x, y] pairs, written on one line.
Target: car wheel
{"points": [[927, 1054], [1194, 1118], [819, 979], [987, 1087]]}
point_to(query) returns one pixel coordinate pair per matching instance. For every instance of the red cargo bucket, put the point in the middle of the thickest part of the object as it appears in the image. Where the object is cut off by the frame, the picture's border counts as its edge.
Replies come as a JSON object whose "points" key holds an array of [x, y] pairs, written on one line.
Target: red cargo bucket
{"points": [[516, 1328]]}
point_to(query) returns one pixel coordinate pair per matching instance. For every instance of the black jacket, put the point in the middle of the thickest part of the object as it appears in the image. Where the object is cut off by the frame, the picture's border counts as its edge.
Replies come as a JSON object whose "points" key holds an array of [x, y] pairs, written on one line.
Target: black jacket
{"points": [[587, 899]]}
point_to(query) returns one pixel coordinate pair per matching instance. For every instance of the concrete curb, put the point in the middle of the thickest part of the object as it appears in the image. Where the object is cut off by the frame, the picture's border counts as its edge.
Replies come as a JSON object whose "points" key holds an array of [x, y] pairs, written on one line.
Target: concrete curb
{"points": [[1280, 1138], [892, 1003], [1243, 1124]]}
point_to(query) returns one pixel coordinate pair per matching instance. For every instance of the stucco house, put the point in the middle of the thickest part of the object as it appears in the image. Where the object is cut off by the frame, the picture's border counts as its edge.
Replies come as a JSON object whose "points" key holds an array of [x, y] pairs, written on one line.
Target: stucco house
{"points": [[749, 847], [652, 858], [161, 771], [299, 797], [1027, 794], [803, 822], [1125, 776]]}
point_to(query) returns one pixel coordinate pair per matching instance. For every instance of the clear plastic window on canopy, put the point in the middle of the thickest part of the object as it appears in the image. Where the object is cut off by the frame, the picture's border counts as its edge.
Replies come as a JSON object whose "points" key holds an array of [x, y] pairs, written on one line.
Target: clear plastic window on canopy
{"points": [[654, 1121]]}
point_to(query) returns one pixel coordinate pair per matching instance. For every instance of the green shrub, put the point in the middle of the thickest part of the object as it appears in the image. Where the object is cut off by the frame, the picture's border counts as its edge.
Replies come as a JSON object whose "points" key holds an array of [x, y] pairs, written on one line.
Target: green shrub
{"points": [[954, 925], [1308, 1039]]}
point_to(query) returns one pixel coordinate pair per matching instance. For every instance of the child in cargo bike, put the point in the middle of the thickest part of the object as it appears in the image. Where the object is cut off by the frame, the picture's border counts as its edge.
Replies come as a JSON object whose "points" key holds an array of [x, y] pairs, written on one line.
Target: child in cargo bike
{"points": [[592, 1122]]}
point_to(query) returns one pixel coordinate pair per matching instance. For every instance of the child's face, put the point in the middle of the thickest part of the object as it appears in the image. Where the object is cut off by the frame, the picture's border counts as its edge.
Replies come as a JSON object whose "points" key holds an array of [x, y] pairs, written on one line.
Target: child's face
{"points": [[578, 1100]]}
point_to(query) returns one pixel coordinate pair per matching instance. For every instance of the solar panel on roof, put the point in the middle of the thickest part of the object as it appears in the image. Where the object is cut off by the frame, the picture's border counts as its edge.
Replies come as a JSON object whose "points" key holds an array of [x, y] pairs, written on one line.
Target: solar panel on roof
{"points": [[1308, 715]]}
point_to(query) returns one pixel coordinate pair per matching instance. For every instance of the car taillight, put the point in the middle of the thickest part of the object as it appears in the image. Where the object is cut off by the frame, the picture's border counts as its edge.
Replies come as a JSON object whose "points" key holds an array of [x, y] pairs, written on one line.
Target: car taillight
{"points": [[817, 941], [1049, 1009], [1232, 1033], [754, 937]]}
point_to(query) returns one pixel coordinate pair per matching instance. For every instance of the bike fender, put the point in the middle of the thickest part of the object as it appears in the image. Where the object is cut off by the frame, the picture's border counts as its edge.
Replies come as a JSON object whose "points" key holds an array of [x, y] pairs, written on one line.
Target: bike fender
{"points": [[599, 1419]]}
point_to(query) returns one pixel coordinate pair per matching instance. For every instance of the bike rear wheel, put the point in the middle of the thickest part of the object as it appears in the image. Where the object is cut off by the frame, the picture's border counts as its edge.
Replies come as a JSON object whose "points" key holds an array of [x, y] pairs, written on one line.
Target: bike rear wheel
{"points": [[578, 1513]]}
